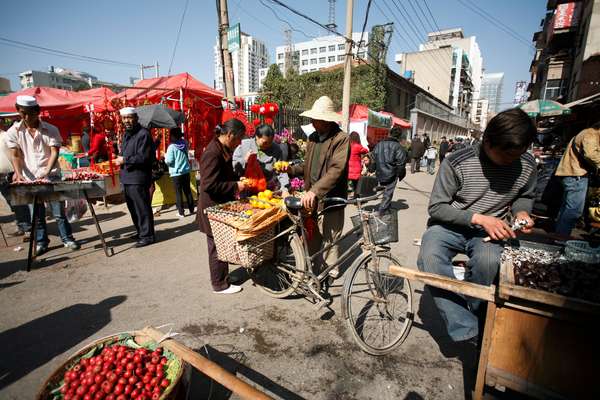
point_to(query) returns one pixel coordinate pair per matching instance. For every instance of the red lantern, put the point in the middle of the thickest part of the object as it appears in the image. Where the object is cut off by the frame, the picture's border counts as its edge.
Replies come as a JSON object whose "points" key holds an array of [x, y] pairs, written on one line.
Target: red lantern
{"points": [[256, 122], [255, 108], [269, 121]]}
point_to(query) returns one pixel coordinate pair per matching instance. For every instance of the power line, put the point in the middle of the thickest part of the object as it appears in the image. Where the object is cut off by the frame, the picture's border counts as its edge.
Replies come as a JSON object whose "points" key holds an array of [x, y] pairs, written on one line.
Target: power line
{"points": [[362, 31], [432, 17], [426, 18], [500, 22], [286, 22], [62, 53], [178, 33]]}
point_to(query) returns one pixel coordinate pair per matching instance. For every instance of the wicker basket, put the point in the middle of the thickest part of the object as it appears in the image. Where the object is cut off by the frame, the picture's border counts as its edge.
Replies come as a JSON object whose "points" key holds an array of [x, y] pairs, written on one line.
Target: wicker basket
{"points": [[249, 253], [58, 374]]}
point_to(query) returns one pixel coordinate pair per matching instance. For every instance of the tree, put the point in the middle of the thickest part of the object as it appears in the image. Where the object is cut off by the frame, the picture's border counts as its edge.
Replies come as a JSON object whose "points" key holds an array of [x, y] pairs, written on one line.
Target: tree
{"points": [[274, 87]]}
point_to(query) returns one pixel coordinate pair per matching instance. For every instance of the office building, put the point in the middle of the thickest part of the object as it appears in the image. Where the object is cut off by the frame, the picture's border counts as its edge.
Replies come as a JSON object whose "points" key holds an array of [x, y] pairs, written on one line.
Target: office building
{"points": [[491, 90]]}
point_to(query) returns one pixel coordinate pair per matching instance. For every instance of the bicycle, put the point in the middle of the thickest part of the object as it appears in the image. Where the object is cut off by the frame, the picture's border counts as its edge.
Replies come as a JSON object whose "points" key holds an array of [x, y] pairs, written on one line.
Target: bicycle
{"points": [[370, 293]]}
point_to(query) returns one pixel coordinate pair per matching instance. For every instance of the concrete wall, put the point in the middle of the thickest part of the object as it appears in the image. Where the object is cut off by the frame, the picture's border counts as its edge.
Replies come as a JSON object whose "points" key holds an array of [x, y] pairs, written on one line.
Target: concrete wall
{"points": [[431, 70]]}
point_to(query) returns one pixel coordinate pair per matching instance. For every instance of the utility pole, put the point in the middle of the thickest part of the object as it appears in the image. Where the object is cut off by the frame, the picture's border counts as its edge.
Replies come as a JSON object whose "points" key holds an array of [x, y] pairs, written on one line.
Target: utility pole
{"points": [[225, 55], [144, 67], [347, 67]]}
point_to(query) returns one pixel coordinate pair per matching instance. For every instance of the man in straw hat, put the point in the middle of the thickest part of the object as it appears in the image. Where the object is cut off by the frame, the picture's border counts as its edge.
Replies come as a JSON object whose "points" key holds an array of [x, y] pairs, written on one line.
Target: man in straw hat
{"points": [[34, 146], [325, 175], [137, 156]]}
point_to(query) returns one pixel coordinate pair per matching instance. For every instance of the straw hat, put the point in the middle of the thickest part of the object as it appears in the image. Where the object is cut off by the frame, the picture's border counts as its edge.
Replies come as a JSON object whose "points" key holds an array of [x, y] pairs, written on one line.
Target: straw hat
{"points": [[323, 110]]}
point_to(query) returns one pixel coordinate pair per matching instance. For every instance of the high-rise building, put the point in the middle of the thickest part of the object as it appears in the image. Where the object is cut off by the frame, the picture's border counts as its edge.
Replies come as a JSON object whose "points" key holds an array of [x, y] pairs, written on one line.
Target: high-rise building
{"points": [[481, 112], [491, 90], [247, 61], [319, 53], [449, 65], [521, 93]]}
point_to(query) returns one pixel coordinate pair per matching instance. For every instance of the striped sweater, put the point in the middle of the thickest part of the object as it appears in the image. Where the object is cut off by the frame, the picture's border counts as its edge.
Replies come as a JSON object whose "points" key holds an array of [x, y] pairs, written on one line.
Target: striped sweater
{"points": [[468, 183]]}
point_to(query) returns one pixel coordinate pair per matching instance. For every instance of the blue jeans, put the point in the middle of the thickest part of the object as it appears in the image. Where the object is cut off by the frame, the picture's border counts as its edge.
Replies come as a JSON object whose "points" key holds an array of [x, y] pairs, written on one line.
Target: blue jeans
{"points": [[439, 245], [431, 166], [573, 202], [64, 227]]}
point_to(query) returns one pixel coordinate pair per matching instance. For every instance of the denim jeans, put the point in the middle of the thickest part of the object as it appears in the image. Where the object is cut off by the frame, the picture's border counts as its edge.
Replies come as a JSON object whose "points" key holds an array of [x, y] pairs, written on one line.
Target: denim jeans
{"points": [[64, 227], [22, 214], [439, 245], [573, 202]]}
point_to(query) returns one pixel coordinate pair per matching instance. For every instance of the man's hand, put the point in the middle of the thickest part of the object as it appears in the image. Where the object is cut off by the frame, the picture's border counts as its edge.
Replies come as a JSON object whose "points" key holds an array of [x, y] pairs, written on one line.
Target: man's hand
{"points": [[523, 215], [44, 173], [119, 160], [494, 227], [241, 186], [17, 177], [309, 200]]}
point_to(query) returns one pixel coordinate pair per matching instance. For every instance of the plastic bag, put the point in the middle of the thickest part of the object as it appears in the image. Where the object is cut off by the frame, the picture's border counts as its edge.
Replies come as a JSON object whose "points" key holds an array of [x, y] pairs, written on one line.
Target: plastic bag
{"points": [[255, 179], [75, 209]]}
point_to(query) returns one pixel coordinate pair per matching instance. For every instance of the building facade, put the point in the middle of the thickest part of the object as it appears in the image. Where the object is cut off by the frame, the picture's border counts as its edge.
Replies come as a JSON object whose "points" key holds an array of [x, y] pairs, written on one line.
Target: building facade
{"points": [[251, 57], [319, 53], [566, 65], [491, 90], [64, 78], [4, 86], [482, 107]]}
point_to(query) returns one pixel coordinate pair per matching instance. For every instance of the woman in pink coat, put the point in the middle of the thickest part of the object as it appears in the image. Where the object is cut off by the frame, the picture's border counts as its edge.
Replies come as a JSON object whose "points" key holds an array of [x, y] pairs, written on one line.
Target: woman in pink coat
{"points": [[355, 161]]}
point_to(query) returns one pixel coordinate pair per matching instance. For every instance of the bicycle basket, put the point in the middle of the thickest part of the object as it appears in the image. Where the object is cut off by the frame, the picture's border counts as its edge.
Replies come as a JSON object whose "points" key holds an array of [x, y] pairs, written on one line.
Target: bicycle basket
{"points": [[384, 228]]}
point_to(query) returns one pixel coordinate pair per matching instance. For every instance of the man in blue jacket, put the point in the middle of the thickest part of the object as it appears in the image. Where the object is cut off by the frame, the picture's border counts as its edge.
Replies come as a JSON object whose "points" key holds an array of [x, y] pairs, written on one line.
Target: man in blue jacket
{"points": [[137, 156]]}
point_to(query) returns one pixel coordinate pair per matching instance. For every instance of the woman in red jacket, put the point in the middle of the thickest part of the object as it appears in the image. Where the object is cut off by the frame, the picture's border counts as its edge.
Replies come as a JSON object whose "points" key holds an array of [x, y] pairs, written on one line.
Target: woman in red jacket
{"points": [[357, 150]]}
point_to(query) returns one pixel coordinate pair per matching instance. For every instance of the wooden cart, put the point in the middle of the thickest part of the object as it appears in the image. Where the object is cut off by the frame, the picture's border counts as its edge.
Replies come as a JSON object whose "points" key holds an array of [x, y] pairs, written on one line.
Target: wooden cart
{"points": [[534, 342]]}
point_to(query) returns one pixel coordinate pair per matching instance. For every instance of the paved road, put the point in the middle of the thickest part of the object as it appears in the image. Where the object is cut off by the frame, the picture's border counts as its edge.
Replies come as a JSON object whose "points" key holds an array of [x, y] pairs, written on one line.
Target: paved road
{"points": [[285, 346]]}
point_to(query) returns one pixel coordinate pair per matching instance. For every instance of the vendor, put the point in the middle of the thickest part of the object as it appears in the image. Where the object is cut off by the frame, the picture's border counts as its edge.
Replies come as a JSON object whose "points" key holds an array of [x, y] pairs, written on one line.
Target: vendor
{"points": [[473, 191], [34, 146], [98, 148], [268, 153], [219, 184]]}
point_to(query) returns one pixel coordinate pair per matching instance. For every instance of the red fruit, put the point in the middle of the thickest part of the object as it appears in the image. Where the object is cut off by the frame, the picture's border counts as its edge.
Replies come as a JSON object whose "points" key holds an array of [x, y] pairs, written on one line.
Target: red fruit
{"points": [[87, 396], [137, 359], [155, 359], [160, 373], [155, 396], [81, 390], [88, 381], [110, 397], [99, 395], [93, 388], [146, 379], [122, 381], [139, 384], [159, 350], [142, 397], [98, 379], [106, 387], [130, 356], [84, 361], [127, 374], [74, 383], [130, 366], [122, 397], [118, 389], [164, 360], [123, 361], [135, 393], [132, 380], [128, 389], [120, 355], [97, 368], [151, 368], [68, 396], [77, 368], [165, 383], [112, 377], [143, 351], [148, 387], [154, 382]]}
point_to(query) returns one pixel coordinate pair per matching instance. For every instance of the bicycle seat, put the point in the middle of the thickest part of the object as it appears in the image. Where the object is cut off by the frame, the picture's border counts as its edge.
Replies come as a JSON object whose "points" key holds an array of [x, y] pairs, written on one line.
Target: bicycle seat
{"points": [[293, 203]]}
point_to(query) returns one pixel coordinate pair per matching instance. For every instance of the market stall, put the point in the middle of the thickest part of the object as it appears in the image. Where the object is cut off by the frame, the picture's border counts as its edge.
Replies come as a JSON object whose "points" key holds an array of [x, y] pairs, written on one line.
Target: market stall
{"points": [[373, 126]]}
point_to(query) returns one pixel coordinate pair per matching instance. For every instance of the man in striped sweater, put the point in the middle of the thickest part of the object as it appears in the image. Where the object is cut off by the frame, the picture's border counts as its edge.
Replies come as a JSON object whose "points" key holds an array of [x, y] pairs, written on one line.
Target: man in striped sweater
{"points": [[475, 190]]}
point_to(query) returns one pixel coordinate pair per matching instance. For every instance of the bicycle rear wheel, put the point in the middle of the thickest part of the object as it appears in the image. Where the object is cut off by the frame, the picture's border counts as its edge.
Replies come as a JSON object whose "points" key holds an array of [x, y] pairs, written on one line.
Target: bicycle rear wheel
{"points": [[377, 305], [281, 276]]}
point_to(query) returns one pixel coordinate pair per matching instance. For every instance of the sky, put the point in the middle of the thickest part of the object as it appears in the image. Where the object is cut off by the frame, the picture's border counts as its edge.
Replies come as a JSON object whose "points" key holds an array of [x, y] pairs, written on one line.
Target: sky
{"points": [[145, 31]]}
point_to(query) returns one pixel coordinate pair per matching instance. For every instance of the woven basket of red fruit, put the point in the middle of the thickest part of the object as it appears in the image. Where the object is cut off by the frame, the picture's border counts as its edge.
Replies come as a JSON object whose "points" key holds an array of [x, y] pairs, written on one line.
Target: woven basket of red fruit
{"points": [[119, 367]]}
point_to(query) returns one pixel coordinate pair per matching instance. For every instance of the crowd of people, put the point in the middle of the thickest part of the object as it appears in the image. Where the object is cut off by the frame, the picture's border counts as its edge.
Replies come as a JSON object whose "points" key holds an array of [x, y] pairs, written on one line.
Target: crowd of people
{"points": [[479, 186]]}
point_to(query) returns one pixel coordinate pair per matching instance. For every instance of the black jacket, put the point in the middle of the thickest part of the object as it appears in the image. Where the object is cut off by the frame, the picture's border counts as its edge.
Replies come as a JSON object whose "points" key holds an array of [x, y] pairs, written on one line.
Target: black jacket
{"points": [[417, 149], [138, 155], [444, 145], [390, 160]]}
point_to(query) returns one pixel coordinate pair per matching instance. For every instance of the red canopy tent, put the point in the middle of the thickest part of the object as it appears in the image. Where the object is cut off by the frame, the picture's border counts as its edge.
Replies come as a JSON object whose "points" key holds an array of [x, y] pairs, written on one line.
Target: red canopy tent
{"points": [[371, 135], [360, 113]]}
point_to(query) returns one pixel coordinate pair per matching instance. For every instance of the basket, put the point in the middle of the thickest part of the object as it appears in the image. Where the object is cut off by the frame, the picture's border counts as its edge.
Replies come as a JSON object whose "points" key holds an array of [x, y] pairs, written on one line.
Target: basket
{"points": [[57, 376], [224, 220], [383, 228]]}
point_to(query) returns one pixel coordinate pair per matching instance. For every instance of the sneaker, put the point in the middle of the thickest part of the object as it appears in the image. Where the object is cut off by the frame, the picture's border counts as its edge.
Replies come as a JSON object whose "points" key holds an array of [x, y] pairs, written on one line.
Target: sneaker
{"points": [[40, 249], [73, 245], [334, 273], [180, 216], [230, 290], [18, 232]]}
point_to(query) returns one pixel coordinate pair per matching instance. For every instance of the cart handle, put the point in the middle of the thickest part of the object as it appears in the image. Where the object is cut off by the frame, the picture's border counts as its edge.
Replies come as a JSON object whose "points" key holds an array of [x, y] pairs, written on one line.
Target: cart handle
{"points": [[481, 292]]}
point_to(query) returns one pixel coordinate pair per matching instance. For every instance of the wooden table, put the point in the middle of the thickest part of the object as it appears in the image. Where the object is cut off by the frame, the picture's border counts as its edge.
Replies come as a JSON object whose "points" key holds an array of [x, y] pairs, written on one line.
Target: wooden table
{"points": [[60, 191], [534, 342]]}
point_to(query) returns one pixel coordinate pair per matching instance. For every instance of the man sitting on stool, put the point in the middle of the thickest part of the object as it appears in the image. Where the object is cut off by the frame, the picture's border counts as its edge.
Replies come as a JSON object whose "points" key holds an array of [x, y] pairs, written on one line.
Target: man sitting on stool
{"points": [[471, 196]]}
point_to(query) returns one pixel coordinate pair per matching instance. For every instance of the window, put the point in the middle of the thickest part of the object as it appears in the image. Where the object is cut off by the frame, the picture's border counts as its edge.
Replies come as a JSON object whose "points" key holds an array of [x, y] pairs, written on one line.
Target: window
{"points": [[341, 46], [280, 56], [322, 49], [313, 51], [361, 54], [280, 65], [341, 58], [332, 47], [322, 60], [331, 59], [305, 52], [304, 62], [554, 88], [313, 61]]}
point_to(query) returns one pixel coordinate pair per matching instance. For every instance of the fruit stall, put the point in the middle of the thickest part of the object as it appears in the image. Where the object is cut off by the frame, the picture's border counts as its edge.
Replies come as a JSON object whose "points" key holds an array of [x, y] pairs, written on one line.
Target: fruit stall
{"points": [[540, 335]]}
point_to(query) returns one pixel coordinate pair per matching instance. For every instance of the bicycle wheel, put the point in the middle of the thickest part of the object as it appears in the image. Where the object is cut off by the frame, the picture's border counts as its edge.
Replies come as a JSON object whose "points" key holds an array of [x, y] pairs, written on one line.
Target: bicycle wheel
{"points": [[377, 305], [281, 276]]}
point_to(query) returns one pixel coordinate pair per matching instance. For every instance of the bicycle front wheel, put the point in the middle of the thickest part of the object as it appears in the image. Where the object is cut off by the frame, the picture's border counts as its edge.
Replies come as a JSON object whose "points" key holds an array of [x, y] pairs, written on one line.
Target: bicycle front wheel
{"points": [[377, 304]]}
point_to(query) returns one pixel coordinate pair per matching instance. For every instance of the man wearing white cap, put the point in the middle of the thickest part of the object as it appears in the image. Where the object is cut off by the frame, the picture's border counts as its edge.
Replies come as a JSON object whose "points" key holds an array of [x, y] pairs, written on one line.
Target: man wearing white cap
{"points": [[137, 156], [34, 148], [325, 174]]}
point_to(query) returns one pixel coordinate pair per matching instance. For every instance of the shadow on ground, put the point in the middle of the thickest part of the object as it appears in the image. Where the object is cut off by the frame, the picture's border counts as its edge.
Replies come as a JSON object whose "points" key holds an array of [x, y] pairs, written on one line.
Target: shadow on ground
{"points": [[36, 342]]}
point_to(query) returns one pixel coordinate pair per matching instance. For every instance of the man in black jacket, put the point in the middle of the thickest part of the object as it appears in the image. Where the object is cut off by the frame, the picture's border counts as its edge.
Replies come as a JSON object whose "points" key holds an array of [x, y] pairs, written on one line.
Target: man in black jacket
{"points": [[137, 155], [390, 163], [417, 151], [444, 146]]}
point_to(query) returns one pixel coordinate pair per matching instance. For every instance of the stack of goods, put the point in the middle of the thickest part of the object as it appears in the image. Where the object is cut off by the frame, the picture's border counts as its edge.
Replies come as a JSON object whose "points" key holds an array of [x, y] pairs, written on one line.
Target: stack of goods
{"points": [[105, 168], [552, 272], [264, 200], [81, 174], [42, 181]]}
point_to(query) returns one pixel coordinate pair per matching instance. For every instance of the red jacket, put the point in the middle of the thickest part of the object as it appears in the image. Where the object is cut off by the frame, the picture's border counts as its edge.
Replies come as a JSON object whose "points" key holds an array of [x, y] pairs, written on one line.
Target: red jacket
{"points": [[354, 162], [98, 147]]}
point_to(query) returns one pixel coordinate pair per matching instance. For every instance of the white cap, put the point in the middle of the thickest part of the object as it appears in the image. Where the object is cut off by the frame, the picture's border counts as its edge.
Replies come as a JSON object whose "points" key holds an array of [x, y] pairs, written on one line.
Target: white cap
{"points": [[127, 111], [26, 101]]}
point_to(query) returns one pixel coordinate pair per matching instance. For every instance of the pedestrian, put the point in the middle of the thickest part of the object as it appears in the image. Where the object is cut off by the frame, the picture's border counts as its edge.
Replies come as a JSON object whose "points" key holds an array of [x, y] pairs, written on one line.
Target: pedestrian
{"points": [[219, 184], [451, 145], [390, 158], [136, 159], [474, 190], [34, 148], [431, 155], [267, 153], [460, 144], [417, 150], [426, 141], [444, 146], [357, 151], [22, 214], [177, 160], [325, 175], [579, 163]]}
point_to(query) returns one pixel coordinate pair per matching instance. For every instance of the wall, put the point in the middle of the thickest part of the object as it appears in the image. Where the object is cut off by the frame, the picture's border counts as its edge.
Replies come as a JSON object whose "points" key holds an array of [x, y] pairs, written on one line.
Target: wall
{"points": [[431, 70]]}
